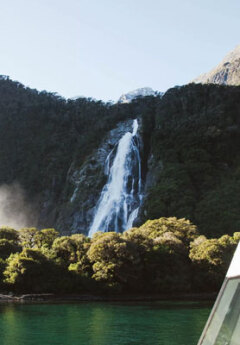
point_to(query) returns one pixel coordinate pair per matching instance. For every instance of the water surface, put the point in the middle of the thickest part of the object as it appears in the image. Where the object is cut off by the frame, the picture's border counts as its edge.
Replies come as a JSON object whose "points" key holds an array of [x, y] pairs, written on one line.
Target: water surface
{"points": [[93, 323]]}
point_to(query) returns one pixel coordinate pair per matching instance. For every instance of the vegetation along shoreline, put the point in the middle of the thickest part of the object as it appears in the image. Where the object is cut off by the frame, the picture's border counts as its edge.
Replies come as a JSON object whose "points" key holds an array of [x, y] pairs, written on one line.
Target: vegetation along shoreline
{"points": [[162, 257]]}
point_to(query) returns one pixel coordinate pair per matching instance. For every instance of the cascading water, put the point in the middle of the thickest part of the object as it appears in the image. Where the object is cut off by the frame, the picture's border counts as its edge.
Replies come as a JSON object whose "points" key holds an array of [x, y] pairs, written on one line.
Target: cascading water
{"points": [[121, 196]]}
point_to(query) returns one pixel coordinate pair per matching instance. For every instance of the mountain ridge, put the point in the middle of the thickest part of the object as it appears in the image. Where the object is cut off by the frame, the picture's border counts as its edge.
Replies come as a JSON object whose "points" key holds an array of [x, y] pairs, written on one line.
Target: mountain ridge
{"points": [[227, 72]]}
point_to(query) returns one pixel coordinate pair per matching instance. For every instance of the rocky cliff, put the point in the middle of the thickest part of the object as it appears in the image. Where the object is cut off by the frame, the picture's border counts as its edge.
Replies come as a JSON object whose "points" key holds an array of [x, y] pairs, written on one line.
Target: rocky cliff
{"points": [[76, 213], [226, 73]]}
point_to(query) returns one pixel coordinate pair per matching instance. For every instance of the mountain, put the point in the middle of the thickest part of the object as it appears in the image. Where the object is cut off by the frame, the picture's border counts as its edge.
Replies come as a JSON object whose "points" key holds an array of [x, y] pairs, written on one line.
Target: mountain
{"points": [[226, 73], [142, 92], [56, 150]]}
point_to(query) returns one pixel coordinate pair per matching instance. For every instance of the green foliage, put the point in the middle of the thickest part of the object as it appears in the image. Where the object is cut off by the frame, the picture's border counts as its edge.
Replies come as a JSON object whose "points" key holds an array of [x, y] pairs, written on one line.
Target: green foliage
{"points": [[45, 237], [9, 234], [27, 237], [195, 145], [8, 247], [115, 260], [30, 271], [211, 258], [183, 229], [218, 211], [164, 255], [64, 250], [2, 269], [236, 237], [71, 250], [25, 270]]}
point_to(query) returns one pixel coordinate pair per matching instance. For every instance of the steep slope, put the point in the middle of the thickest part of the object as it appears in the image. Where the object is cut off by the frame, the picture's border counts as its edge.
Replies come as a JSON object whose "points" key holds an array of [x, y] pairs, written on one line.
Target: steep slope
{"points": [[194, 160], [226, 73], [45, 140], [55, 149], [75, 212]]}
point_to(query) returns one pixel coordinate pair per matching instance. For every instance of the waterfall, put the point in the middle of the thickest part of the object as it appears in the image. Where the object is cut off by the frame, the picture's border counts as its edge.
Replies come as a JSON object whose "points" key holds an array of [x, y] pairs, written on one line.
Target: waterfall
{"points": [[121, 196]]}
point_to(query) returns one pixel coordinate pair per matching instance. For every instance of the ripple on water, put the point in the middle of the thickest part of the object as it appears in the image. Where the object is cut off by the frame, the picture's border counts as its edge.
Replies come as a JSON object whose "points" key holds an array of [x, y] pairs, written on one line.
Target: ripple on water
{"points": [[159, 323]]}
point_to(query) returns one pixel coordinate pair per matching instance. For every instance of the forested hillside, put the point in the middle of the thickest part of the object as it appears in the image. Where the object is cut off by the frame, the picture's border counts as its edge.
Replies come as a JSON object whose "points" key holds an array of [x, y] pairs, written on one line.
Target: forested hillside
{"points": [[195, 146], [41, 133], [190, 153]]}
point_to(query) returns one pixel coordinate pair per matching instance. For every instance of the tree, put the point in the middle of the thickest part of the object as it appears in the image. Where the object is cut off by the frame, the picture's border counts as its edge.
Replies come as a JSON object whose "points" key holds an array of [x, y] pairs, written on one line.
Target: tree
{"points": [[115, 261], [9, 234], [7, 248], [27, 237], [183, 229], [2, 269], [46, 237], [211, 259], [82, 266], [30, 271], [70, 249]]}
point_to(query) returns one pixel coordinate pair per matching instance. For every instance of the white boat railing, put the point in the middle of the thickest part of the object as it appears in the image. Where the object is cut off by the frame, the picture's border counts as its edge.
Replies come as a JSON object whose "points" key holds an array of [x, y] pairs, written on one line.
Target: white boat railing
{"points": [[223, 325]]}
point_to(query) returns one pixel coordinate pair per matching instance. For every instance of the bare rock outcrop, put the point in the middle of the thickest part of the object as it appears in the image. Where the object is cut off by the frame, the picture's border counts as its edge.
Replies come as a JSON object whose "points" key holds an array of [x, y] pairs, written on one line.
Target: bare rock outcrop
{"points": [[226, 73]]}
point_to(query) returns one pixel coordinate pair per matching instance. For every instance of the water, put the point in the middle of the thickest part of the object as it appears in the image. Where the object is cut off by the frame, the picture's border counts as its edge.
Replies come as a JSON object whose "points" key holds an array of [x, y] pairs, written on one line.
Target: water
{"points": [[121, 196], [102, 324]]}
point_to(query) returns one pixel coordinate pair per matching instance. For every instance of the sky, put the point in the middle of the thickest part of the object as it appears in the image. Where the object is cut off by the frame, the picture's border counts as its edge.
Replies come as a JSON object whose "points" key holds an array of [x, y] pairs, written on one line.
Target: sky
{"points": [[104, 48]]}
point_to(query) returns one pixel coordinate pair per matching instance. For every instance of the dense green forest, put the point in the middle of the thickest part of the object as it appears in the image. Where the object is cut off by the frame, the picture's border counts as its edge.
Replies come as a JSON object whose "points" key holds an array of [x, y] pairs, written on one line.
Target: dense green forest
{"points": [[190, 167], [165, 255], [195, 143], [190, 152], [42, 133]]}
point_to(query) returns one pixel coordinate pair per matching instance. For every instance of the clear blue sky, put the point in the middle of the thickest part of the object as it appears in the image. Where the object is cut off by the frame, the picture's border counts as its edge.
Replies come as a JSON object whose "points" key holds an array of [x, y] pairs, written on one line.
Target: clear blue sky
{"points": [[103, 48]]}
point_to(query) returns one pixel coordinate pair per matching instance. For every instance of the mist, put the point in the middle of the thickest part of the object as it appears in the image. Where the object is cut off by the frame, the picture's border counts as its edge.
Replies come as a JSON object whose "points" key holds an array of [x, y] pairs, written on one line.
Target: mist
{"points": [[15, 210]]}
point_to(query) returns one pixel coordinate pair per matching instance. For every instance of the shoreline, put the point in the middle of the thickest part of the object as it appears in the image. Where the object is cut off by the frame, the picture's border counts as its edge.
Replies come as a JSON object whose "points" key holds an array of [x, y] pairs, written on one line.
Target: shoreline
{"points": [[53, 298]]}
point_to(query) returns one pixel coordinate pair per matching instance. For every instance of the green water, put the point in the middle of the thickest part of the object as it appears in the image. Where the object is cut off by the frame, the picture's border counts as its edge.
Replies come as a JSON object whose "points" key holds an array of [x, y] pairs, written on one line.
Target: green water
{"points": [[154, 323]]}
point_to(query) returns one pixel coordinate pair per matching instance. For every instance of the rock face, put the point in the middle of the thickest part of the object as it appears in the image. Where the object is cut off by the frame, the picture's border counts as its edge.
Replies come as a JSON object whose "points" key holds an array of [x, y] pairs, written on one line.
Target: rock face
{"points": [[86, 182], [144, 91], [226, 73]]}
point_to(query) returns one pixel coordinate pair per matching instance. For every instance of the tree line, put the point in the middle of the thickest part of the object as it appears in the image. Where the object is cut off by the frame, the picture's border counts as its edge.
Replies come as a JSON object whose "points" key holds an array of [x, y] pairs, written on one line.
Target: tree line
{"points": [[165, 255]]}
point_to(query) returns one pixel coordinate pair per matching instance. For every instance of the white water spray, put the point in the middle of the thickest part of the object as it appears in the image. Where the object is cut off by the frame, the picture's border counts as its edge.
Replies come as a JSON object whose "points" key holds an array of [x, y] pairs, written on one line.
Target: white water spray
{"points": [[121, 196]]}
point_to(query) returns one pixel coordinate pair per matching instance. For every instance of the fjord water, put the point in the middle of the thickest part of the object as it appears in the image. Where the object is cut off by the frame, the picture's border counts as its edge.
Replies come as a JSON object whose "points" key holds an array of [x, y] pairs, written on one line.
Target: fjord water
{"points": [[154, 323], [121, 196]]}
